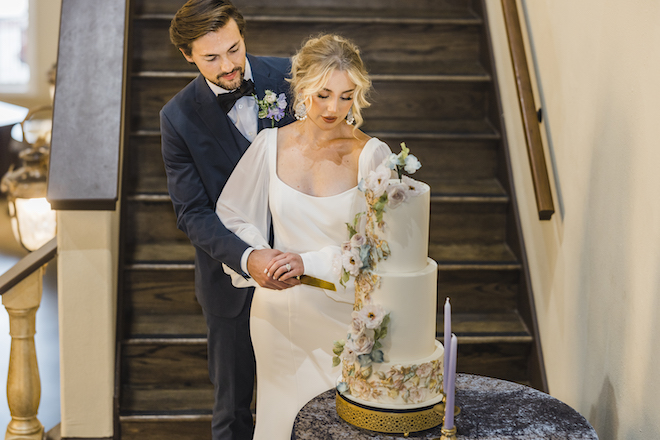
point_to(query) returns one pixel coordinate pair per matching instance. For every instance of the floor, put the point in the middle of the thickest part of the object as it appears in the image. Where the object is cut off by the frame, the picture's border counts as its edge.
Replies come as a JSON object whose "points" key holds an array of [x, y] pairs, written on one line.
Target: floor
{"points": [[46, 339]]}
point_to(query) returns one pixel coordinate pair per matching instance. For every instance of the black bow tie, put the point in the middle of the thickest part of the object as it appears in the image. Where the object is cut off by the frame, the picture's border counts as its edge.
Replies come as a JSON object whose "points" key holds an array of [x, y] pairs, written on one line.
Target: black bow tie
{"points": [[227, 100]]}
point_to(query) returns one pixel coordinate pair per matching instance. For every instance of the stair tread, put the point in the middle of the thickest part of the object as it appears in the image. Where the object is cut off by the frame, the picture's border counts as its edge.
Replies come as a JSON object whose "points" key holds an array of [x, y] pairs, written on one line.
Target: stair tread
{"points": [[173, 399], [500, 325], [476, 187], [342, 15], [167, 325], [471, 253]]}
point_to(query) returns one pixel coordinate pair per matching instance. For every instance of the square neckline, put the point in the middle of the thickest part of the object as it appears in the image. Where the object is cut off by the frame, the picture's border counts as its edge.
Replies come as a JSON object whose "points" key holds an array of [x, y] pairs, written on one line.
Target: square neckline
{"points": [[274, 168]]}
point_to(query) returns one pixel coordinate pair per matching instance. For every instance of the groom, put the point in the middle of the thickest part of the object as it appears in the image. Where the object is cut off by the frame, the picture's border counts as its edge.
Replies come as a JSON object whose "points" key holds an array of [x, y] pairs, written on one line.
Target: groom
{"points": [[205, 129]]}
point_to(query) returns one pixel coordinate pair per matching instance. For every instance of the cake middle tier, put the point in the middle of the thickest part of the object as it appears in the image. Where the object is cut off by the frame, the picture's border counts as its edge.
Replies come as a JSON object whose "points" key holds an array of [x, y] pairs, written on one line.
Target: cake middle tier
{"points": [[410, 299]]}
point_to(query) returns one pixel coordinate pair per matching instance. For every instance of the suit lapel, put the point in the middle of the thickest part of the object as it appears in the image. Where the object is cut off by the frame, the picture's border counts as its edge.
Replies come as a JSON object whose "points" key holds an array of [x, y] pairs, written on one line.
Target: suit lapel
{"points": [[263, 82]]}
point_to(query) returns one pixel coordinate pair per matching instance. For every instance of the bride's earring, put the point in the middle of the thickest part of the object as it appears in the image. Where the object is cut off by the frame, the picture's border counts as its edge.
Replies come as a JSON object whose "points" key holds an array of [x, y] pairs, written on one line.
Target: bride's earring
{"points": [[301, 111], [350, 119]]}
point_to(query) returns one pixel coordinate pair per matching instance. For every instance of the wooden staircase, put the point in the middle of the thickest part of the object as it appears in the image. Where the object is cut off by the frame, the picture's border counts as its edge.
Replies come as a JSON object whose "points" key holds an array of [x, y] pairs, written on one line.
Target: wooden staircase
{"points": [[434, 89]]}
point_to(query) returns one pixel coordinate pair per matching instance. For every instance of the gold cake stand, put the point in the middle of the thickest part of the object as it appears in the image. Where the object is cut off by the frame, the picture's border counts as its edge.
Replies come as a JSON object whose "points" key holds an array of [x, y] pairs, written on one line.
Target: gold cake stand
{"points": [[390, 421]]}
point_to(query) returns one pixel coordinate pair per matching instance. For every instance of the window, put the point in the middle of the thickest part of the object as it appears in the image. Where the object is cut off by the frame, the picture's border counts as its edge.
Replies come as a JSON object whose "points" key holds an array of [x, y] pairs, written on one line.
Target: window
{"points": [[14, 67]]}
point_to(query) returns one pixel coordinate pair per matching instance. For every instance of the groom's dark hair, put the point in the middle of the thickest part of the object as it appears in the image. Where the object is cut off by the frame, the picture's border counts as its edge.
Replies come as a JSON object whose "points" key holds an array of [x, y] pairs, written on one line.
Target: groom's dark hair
{"points": [[199, 17]]}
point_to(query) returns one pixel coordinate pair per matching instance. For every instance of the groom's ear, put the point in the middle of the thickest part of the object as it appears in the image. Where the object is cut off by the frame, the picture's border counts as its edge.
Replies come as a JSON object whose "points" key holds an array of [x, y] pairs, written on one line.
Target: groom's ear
{"points": [[187, 57]]}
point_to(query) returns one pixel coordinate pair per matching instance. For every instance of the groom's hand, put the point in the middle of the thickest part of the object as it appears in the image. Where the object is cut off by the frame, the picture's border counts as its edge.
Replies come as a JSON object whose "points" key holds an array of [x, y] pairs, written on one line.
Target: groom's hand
{"points": [[256, 265]]}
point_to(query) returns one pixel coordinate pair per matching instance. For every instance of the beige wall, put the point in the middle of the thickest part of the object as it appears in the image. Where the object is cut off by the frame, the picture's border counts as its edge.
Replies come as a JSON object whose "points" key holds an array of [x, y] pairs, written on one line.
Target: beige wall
{"points": [[596, 265], [44, 28], [87, 284]]}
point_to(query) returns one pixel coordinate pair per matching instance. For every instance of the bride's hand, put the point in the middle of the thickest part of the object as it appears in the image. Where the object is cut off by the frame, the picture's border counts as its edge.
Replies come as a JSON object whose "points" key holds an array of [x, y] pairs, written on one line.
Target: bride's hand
{"points": [[285, 266], [257, 261]]}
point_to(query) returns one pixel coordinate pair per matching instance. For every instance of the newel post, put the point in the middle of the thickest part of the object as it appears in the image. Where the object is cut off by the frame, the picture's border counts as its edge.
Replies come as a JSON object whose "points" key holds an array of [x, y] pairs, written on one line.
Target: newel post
{"points": [[23, 383]]}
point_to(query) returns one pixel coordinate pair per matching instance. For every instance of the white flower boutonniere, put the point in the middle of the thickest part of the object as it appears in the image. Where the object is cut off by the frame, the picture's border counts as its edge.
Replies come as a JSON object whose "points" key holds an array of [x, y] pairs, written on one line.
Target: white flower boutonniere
{"points": [[272, 106]]}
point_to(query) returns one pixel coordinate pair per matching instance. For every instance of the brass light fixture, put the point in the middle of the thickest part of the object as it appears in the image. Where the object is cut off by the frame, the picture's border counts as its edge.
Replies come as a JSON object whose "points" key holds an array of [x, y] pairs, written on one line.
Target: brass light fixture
{"points": [[33, 221]]}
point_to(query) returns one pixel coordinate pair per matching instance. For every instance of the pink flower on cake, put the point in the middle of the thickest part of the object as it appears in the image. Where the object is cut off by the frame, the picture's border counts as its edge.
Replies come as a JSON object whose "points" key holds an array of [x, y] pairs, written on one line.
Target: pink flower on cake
{"points": [[346, 246], [358, 240], [415, 394], [396, 195], [359, 388], [424, 370], [349, 355], [395, 374], [372, 315], [362, 344]]}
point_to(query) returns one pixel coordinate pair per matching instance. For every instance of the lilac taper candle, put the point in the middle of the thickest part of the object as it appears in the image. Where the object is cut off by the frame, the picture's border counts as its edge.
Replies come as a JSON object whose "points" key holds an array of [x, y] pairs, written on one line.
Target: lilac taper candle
{"points": [[447, 343], [451, 384]]}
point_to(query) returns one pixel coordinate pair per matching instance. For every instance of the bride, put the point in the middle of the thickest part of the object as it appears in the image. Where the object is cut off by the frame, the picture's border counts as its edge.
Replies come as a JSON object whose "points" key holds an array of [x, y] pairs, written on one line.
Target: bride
{"points": [[303, 178]]}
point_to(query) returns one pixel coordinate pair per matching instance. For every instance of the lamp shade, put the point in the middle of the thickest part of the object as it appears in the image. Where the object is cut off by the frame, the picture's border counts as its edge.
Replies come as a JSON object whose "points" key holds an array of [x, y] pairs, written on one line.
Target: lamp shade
{"points": [[33, 221]]}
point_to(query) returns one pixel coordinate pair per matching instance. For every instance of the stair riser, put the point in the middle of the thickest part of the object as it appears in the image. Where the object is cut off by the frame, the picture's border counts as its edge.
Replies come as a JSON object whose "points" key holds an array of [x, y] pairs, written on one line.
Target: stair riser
{"points": [[161, 399], [445, 159], [170, 430], [397, 105], [385, 47], [431, 7], [161, 292], [467, 222], [145, 170], [476, 291], [165, 365], [450, 159], [501, 360]]}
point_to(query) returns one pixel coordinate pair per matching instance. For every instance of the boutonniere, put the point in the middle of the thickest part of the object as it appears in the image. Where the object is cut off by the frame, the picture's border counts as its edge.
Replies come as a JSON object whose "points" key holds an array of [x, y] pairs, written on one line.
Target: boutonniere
{"points": [[272, 106]]}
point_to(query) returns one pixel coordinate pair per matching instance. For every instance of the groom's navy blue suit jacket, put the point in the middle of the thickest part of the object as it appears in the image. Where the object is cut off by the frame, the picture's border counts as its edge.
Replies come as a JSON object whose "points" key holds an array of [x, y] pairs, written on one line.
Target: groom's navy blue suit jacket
{"points": [[201, 146]]}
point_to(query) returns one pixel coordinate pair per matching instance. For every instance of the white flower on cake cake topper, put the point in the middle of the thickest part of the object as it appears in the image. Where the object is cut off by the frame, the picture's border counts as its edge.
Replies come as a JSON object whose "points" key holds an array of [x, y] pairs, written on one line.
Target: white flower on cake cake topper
{"points": [[412, 186], [412, 164], [371, 315], [351, 261], [378, 179]]}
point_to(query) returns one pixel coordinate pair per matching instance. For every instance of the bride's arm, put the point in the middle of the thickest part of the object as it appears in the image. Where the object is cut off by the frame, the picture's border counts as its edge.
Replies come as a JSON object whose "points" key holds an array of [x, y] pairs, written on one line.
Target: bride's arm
{"points": [[243, 204], [243, 209]]}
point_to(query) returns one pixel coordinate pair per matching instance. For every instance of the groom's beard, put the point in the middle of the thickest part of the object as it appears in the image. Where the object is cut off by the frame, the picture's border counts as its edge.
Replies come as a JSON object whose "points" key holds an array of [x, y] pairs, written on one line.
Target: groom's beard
{"points": [[232, 84]]}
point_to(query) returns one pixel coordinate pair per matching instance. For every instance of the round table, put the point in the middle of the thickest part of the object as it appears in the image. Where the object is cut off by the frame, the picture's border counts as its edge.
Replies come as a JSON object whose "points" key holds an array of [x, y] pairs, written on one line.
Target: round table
{"points": [[491, 409]]}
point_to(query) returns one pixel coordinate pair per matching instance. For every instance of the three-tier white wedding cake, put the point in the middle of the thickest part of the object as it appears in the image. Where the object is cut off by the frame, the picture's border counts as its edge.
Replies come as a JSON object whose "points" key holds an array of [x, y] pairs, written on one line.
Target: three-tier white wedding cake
{"points": [[391, 358]]}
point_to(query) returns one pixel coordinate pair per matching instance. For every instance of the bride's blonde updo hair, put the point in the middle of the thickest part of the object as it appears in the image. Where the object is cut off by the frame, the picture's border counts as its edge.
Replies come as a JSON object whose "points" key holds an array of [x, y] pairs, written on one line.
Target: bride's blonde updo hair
{"points": [[313, 64]]}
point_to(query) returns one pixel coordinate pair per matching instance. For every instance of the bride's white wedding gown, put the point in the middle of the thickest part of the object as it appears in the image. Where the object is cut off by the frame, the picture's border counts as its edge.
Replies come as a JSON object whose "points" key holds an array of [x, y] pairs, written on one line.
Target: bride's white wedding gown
{"points": [[293, 330]]}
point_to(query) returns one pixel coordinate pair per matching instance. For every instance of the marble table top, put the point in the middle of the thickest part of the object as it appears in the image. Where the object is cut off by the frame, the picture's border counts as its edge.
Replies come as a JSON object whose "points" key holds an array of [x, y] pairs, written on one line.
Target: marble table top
{"points": [[491, 409]]}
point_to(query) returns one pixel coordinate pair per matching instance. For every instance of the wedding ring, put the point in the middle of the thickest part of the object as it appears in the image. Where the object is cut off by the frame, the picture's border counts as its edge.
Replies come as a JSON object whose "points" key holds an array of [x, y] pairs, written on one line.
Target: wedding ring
{"points": [[288, 267]]}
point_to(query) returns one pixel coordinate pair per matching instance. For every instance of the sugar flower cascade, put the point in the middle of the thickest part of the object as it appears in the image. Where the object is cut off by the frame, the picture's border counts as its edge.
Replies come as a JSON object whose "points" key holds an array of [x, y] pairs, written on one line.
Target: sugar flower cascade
{"points": [[359, 259]]}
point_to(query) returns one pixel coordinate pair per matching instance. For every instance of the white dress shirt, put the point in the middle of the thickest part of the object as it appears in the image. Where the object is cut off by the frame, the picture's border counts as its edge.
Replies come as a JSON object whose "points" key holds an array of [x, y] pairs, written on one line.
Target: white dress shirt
{"points": [[244, 115]]}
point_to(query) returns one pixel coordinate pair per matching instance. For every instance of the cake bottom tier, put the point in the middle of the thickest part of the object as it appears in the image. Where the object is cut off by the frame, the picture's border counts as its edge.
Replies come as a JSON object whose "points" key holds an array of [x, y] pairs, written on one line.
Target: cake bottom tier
{"points": [[394, 385]]}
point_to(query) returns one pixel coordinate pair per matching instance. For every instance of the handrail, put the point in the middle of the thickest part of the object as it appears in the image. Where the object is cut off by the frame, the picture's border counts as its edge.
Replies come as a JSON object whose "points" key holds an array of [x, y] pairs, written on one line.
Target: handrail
{"points": [[537, 162], [88, 107], [27, 265]]}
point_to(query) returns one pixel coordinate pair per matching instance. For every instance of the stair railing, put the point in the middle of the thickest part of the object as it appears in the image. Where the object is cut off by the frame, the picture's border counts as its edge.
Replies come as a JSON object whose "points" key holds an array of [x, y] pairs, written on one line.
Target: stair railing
{"points": [[528, 109], [21, 288]]}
